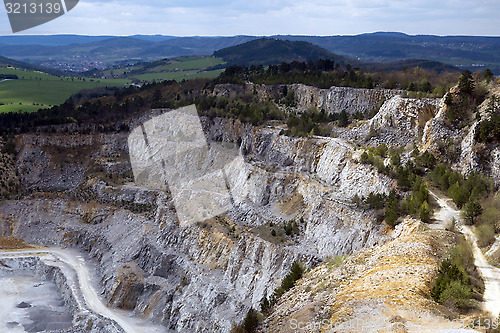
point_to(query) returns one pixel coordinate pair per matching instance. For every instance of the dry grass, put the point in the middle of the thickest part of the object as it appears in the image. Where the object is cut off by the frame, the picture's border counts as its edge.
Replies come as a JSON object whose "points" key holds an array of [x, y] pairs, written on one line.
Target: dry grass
{"points": [[11, 243]]}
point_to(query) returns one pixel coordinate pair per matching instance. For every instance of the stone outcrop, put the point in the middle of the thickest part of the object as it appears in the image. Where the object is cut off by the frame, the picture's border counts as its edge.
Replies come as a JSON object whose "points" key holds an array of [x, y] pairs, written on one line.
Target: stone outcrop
{"points": [[338, 99], [332, 100], [128, 286]]}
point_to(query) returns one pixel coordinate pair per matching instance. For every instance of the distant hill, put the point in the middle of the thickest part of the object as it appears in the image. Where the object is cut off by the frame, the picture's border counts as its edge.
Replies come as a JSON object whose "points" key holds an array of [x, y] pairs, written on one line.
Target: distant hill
{"points": [[50, 40], [465, 52], [269, 51], [113, 50]]}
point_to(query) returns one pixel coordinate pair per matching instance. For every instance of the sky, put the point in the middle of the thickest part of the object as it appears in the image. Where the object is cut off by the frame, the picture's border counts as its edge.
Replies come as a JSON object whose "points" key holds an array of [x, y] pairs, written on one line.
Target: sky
{"points": [[265, 17]]}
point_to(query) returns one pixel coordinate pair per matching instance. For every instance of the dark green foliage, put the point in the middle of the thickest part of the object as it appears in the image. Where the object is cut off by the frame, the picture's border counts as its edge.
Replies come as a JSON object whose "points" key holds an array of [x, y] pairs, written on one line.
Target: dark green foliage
{"points": [[471, 210], [9, 148], [488, 75], [289, 280], [426, 160], [270, 51], [466, 83], [289, 98], [417, 203], [296, 272], [8, 77], [376, 200], [376, 161], [322, 74], [251, 321], [310, 123], [247, 108], [460, 189], [381, 150], [405, 178], [365, 158], [425, 212], [462, 105], [249, 324], [343, 119], [265, 305], [392, 209], [489, 130], [453, 287], [291, 228]]}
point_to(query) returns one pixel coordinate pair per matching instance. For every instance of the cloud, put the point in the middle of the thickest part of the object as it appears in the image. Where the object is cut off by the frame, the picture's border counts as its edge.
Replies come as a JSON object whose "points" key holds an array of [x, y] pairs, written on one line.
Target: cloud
{"points": [[259, 17]]}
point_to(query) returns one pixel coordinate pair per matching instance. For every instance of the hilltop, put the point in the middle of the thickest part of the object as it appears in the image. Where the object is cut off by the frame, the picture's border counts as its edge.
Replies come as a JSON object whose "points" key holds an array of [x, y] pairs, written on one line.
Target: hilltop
{"points": [[269, 51]]}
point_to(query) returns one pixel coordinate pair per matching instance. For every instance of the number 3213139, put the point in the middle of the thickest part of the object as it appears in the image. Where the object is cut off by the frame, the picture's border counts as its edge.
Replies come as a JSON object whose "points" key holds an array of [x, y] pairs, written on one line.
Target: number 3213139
{"points": [[33, 8]]}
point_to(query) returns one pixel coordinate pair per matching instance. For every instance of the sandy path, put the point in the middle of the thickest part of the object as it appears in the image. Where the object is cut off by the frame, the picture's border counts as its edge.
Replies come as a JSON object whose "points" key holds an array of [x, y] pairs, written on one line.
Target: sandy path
{"points": [[91, 298], [490, 274]]}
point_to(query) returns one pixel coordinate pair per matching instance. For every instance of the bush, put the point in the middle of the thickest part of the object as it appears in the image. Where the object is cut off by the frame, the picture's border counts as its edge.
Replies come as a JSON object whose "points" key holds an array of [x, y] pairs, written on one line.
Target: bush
{"points": [[485, 235], [455, 295], [291, 228], [381, 150], [392, 211], [376, 200], [491, 216], [454, 286]]}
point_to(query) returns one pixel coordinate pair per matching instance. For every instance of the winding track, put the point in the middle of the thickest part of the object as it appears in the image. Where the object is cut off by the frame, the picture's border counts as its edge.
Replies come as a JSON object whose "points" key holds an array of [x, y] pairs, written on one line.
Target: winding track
{"points": [[91, 298], [490, 274]]}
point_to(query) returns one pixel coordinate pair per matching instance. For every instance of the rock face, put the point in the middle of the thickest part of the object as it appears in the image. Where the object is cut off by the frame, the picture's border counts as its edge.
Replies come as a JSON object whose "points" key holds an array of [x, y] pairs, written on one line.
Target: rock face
{"points": [[405, 118], [205, 276], [333, 100], [128, 286], [338, 99]]}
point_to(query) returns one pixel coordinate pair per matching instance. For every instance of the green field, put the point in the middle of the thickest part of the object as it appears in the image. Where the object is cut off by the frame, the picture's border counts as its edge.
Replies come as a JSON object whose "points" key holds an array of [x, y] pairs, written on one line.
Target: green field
{"points": [[34, 88], [182, 68], [178, 76]]}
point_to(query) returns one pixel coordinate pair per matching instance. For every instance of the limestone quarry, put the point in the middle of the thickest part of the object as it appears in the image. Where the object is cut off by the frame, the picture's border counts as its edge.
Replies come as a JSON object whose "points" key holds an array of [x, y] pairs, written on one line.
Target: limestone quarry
{"points": [[81, 205]]}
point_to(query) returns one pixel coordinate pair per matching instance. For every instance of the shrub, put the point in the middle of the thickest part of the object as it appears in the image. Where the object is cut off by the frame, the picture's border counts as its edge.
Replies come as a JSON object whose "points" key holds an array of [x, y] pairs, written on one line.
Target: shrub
{"points": [[454, 287], [381, 150], [491, 216], [485, 235], [376, 200], [455, 295]]}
